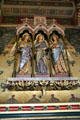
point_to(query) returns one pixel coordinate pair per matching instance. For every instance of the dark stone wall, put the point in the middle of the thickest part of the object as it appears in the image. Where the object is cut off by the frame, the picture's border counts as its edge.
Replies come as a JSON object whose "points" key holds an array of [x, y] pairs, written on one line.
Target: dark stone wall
{"points": [[6, 35], [73, 36]]}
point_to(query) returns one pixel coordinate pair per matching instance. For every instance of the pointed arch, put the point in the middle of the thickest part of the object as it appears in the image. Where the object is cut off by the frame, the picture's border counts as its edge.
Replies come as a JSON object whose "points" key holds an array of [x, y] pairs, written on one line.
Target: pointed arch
{"points": [[23, 27], [40, 27], [56, 27]]}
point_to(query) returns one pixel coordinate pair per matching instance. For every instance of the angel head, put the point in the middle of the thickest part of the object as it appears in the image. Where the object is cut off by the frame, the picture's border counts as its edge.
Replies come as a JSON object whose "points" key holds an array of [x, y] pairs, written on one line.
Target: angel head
{"points": [[54, 38], [26, 37], [40, 38]]}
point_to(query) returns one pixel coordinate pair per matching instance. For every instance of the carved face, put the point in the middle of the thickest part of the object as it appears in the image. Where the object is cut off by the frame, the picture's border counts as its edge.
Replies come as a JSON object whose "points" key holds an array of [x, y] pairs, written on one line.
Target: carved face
{"points": [[26, 38], [40, 38], [54, 38]]}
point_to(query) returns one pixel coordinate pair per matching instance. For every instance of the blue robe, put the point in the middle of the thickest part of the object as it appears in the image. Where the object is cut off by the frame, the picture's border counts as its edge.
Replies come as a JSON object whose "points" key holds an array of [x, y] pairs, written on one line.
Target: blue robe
{"points": [[25, 53], [41, 66], [56, 52]]}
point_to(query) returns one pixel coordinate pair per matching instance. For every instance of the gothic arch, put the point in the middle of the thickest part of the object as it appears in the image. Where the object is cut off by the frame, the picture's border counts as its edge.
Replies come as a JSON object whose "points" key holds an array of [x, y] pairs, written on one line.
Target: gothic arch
{"points": [[56, 27]]}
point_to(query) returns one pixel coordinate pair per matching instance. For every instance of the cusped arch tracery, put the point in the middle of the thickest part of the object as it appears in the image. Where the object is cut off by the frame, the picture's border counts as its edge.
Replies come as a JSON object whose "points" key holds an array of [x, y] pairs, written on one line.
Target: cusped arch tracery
{"points": [[56, 27], [23, 27], [40, 27]]}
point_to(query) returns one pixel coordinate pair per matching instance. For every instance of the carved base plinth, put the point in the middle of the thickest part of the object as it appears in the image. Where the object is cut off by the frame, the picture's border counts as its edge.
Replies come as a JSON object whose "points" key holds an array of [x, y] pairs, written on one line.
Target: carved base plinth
{"points": [[39, 84]]}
